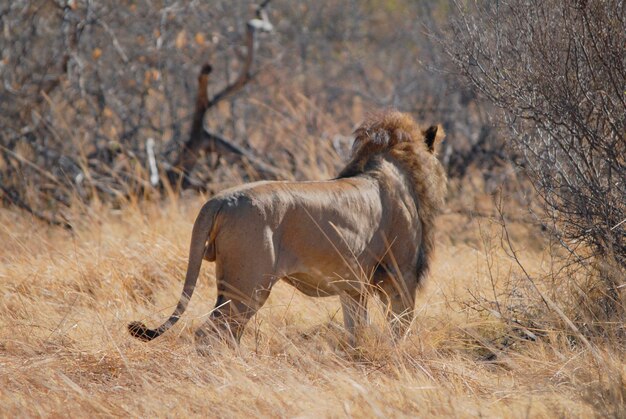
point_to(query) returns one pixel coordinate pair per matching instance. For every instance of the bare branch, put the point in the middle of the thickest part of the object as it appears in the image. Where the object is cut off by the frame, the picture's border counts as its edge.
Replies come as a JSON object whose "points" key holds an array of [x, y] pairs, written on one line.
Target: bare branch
{"points": [[199, 139]]}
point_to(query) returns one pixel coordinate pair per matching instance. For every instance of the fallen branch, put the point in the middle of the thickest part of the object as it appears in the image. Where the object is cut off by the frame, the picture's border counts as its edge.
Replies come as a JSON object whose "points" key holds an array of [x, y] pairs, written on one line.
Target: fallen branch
{"points": [[224, 147], [12, 197]]}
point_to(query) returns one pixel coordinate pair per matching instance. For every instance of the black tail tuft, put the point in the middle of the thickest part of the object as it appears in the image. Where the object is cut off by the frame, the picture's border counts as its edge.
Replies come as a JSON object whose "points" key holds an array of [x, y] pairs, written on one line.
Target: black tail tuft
{"points": [[140, 331]]}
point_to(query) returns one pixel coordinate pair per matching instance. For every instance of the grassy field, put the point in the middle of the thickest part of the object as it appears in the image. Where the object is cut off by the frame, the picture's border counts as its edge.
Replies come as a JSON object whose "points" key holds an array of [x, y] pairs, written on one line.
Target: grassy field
{"points": [[508, 324], [66, 299]]}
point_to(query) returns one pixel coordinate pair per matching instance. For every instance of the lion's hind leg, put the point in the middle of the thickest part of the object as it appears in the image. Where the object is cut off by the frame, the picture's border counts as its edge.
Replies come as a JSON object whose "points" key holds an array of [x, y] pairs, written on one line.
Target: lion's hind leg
{"points": [[241, 293]]}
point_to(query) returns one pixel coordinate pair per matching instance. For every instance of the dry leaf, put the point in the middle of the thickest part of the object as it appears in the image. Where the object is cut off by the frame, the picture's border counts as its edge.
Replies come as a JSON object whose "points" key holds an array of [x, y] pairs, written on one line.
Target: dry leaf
{"points": [[199, 38], [181, 39]]}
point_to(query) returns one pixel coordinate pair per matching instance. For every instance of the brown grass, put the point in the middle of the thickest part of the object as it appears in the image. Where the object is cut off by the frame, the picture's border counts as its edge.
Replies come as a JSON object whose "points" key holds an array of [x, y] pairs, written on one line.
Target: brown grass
{"points": [[484, 342], [64, 349]]}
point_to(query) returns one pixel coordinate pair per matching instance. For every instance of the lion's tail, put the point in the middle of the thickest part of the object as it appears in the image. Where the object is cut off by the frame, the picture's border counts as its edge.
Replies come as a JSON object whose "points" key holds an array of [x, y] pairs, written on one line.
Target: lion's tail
{"points": [[201, 244]]}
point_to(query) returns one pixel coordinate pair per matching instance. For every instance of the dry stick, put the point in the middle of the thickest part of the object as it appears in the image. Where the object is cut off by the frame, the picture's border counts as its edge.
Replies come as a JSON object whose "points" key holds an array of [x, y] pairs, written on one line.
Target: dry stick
{"points": [[154, 172], [472, 213], [618, 224]]}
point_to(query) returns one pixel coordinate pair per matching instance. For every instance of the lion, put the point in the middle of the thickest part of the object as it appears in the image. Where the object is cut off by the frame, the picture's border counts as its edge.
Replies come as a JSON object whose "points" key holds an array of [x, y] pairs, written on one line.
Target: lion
{"points": [[370, 228]]}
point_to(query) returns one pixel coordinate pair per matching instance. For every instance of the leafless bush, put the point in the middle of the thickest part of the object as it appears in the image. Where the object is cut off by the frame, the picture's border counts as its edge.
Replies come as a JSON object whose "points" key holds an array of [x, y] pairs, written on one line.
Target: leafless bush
{"points": [[85, 85], [558, 71]]}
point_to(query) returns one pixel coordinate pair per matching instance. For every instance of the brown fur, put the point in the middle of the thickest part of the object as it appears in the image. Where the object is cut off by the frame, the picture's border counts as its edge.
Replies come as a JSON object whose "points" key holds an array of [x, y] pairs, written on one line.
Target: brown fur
{"points": [[373, 225]]}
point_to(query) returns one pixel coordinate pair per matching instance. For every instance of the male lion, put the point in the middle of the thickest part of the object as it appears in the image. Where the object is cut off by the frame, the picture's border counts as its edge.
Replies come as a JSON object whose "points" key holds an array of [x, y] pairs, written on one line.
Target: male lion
{"points": [[371, 228]]}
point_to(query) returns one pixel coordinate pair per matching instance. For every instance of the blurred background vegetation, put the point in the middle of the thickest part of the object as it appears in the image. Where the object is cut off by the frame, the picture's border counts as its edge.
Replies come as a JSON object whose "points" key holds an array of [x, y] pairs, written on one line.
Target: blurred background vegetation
{"points": [[86, 84]]}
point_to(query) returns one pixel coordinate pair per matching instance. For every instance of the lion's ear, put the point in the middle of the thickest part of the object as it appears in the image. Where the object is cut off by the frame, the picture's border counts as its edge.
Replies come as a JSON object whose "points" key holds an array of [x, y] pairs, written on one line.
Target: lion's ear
{"points": [[432, 136]]}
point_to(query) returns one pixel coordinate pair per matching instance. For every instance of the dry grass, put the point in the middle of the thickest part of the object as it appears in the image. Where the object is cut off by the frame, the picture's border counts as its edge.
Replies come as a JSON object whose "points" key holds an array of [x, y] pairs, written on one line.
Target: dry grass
{"points": [[64, 349], [483, 343]]}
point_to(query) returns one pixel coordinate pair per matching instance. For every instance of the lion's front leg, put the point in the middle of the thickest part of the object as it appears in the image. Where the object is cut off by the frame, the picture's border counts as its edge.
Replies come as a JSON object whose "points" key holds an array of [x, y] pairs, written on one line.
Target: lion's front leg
{"points": [[355, 316], [397, 293]]}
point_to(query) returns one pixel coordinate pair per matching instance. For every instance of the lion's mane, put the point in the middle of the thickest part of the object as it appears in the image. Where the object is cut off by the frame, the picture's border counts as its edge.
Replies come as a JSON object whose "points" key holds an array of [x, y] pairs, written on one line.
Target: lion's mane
{"points": [[397, 136]]}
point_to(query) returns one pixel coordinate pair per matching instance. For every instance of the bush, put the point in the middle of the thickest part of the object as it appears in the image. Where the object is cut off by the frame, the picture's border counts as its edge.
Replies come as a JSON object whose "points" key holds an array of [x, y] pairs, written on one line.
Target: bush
{"points": [[558, 72]]}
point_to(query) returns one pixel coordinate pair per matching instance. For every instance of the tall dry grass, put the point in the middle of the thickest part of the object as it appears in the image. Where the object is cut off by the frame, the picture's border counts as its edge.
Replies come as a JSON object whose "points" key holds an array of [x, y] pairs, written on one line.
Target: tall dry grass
{"points": [[497, 333], [66, 299]]}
